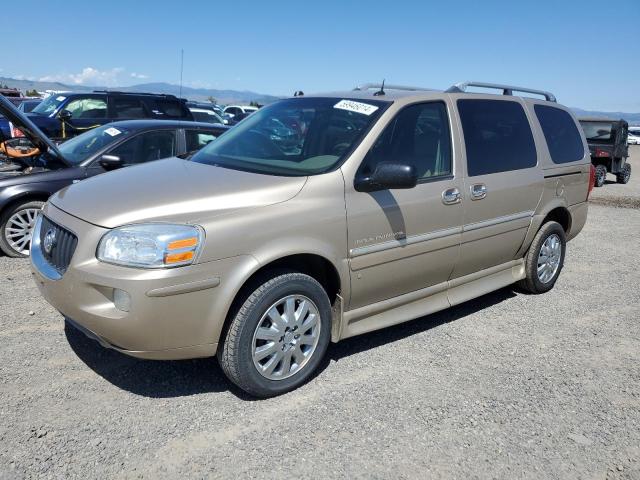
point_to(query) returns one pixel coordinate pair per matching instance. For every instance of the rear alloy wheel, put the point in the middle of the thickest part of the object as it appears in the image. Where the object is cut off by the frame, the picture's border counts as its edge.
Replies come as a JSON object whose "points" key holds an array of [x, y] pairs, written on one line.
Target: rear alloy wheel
{"points": [[601, 175], [624, 176], [278, 336], [545, 259], [16, 227]]}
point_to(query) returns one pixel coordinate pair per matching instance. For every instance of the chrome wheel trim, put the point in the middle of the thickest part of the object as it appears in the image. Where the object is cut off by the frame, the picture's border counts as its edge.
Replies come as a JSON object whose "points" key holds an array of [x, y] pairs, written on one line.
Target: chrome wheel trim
{"points": [[602, 175], [286, 337], [549, 258], [19, 228]]}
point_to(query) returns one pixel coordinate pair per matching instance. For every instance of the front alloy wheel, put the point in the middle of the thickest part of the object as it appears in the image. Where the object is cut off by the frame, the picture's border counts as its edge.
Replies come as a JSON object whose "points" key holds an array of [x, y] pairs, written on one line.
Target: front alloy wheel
{"points": [[17, 228], [286, 337], [278, 335]]}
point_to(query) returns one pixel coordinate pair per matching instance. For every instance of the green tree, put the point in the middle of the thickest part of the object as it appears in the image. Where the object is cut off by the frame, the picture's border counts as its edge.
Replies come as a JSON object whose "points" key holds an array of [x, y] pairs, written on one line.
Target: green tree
{"points": [[32, 93], [212, 99]]}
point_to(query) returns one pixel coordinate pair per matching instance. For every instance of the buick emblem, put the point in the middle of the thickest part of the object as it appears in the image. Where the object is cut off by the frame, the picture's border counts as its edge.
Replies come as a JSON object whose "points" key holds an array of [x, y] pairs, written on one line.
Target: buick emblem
{"points": [[49, 241]]}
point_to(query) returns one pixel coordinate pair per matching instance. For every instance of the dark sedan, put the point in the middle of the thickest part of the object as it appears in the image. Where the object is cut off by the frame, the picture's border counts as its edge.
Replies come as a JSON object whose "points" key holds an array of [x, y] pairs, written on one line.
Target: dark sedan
{"points": [[30, 175]]}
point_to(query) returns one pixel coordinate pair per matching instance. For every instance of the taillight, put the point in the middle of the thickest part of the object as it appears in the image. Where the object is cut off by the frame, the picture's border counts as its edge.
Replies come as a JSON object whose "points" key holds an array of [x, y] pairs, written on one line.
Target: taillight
{"points": [[592, 179], [601, 153]]}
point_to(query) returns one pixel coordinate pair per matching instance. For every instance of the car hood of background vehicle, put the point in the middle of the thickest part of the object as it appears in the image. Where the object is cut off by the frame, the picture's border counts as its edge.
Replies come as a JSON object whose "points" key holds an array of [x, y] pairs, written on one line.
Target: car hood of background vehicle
{"points": [[171, 190]]}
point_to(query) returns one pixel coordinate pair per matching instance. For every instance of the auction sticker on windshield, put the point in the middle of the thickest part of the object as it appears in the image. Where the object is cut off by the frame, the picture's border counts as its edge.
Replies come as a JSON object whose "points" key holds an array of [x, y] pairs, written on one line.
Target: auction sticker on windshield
{"points": [[112, 131], [357, 107]]}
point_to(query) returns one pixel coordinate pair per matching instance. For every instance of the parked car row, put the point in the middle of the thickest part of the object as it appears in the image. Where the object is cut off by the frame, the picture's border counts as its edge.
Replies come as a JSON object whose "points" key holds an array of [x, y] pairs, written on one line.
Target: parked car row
{"points": [[315, 219], [37, 170]]}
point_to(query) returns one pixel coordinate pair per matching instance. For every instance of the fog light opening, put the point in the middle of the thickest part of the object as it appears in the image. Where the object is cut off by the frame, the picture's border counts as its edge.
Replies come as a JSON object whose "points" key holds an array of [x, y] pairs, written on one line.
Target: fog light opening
{"points": [[121, 300]]}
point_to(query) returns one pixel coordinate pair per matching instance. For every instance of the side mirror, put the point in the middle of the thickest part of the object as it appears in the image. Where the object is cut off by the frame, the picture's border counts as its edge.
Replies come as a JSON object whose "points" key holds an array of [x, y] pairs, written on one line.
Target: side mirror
{"points": [[110, 162], [65, 115], [388, 176]]}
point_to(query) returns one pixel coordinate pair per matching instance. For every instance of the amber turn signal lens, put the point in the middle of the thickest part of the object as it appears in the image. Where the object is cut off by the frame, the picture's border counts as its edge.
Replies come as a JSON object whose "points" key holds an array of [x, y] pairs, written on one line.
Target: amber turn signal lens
{"points": [[171, 258], [186, 243]]}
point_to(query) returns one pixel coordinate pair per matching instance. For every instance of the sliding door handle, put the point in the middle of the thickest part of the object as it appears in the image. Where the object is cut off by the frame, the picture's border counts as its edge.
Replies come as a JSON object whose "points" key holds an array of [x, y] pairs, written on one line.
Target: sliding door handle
{"points": [[451, 196], [478, 191]]}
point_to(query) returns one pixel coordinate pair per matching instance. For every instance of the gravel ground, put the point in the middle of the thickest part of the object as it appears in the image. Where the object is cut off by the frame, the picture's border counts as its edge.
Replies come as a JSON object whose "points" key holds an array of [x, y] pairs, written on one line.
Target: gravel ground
{"points": [[506, 386]]}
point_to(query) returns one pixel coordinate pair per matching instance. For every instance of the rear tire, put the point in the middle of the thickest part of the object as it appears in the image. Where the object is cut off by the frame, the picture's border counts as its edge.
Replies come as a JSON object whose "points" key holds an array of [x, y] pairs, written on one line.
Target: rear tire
{"points": [[278, 336], [601, 175], [624, 176], [16, 226], [545, 259]]}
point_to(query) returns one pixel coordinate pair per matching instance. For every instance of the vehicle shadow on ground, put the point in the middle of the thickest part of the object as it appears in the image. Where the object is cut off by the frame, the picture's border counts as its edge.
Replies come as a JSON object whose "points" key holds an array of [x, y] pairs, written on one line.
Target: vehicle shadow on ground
{"points": [[168, 379]]}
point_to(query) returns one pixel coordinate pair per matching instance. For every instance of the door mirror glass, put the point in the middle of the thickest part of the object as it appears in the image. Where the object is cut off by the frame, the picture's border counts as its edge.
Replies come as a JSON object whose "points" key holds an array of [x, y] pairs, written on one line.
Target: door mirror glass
{"points": [[388, 176], [110, 162]]}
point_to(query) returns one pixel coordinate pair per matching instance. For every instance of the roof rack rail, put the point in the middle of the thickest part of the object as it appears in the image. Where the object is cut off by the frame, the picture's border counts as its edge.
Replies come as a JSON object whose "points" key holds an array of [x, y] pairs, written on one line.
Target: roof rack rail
{"points": [[506, 89], [168, 95], [369, 86]]}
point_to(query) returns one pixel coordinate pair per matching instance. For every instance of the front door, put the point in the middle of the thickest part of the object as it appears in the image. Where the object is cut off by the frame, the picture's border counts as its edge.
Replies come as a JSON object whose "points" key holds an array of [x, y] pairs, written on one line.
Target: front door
{"points": [[401, 240], [503, 184]]}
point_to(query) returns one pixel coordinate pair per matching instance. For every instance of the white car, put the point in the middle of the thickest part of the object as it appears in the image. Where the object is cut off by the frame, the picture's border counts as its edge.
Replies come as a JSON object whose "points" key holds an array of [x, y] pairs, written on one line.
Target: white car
{"points": [[233, 110], [207, 116], [634, 137]]}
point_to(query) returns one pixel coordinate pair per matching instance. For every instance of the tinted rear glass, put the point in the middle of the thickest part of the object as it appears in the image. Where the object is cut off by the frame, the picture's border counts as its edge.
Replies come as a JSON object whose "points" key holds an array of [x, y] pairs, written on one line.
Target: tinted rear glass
{"points": [[561, 134], [599, 132], [497, 136]]}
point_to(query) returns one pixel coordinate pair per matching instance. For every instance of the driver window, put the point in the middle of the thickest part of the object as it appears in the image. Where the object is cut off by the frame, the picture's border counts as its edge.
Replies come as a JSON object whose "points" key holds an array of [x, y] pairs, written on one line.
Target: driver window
{"points": [[417, 136], [87, 108], [147, 147]]}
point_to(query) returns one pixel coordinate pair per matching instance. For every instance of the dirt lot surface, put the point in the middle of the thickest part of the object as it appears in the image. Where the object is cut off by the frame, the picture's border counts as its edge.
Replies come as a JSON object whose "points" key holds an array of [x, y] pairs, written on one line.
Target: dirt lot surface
{"points": [[506, 386]]}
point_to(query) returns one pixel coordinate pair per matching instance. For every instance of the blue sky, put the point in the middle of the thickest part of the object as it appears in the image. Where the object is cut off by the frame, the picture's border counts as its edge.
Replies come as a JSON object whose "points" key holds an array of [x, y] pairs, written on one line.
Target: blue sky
{"points": [[582, 50]]}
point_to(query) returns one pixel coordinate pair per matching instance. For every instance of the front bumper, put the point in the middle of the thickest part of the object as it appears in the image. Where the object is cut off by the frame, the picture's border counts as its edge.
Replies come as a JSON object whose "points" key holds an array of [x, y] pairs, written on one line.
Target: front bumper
{"points": [[174, 313]]}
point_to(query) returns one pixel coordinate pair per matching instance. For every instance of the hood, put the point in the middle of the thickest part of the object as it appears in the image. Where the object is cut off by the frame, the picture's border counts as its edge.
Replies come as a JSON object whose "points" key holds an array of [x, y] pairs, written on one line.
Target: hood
{"points": [[171, 190], [30, 130]]}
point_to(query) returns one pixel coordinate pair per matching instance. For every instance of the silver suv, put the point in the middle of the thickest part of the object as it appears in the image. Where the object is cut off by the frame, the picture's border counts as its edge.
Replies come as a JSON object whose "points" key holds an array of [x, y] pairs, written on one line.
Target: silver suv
{"points": [[316, 219]]}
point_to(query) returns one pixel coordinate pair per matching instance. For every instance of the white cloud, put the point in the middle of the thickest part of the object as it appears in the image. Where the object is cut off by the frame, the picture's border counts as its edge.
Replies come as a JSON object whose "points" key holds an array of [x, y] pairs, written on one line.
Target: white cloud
{"points": [[140, 76], [88, 76]]}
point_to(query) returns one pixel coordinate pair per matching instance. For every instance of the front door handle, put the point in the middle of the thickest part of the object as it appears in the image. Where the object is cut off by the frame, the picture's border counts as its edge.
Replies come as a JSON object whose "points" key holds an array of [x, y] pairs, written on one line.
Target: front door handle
{"points": [[478, 191], [451, 196]]}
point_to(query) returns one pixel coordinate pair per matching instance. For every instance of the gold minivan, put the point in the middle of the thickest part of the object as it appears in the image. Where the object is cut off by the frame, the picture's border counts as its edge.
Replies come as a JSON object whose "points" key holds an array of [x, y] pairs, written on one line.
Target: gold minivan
{"points": [[315, 219]]}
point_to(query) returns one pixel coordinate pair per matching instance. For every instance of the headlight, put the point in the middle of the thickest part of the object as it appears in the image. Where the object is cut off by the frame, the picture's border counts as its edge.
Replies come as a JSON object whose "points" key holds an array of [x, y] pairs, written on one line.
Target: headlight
{"points": [[154, 245]]}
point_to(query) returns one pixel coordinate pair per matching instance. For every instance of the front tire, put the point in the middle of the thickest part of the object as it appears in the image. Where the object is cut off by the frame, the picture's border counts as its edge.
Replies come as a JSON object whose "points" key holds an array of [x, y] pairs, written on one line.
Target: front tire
{"points": [[625, 175], [601, 175], [278, 336], [16, 227], [545, 259]]}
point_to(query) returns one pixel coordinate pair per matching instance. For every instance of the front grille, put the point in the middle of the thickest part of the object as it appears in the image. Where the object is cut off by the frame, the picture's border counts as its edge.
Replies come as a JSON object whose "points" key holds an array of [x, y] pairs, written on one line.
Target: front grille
{"points": [[60, 245]]}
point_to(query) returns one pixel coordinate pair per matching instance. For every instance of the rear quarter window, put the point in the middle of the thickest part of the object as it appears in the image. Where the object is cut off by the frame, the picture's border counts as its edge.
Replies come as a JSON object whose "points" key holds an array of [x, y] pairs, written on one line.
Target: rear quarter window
{"points": [[560, 132], [167, 108], [497, 136]]}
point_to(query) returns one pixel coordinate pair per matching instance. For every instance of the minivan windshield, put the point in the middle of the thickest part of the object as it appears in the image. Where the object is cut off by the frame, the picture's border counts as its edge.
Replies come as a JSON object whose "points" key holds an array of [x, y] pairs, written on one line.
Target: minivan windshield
{"points": [[49, 104], [80, 148], [294, 137]]}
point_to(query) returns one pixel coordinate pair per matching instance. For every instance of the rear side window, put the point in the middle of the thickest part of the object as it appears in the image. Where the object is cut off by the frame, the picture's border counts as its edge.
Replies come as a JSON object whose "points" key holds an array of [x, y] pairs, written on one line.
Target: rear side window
{"points": [[128, 108], [167, 108], [497, 136], [196, 139], [561, 134]]}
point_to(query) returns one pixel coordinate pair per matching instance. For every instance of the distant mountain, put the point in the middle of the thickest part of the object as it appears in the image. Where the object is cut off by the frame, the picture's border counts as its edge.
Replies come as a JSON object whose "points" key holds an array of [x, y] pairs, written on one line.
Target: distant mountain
{"points": [[222, 96]]}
